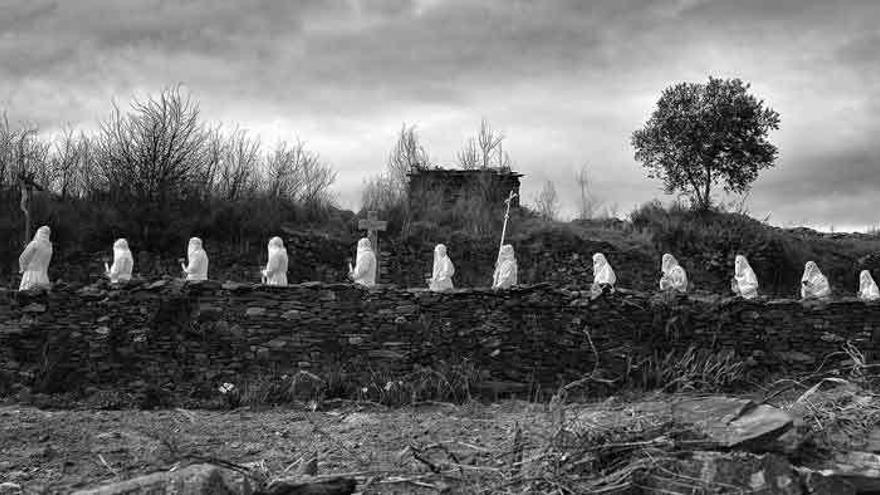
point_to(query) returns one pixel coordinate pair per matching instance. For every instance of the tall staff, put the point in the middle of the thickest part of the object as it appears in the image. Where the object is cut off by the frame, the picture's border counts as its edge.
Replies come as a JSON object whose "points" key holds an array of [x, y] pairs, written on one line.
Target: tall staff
{"points": [[506, 218]]}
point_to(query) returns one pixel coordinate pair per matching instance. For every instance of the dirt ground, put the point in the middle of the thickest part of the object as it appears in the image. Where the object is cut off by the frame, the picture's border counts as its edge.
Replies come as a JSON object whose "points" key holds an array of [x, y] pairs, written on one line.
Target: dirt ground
{"points": [[404, 450]]}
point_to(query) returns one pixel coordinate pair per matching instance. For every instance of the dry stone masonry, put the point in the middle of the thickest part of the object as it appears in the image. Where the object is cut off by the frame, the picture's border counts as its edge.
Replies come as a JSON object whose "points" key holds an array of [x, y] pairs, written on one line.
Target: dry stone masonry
{"points": [[184, 340]]}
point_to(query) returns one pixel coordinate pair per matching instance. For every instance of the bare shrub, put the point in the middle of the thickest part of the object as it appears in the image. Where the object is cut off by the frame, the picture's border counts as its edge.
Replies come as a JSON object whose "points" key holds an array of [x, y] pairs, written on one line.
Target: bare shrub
{"points": [[486, 150], [547, 202], [152, 152], [296, 173]]}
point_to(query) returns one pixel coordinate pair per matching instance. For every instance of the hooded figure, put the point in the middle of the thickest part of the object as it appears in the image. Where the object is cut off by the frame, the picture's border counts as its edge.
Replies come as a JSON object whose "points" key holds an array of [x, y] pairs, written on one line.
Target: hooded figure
{"points": [[505, 269], [33, 263], [813, 283], [602, 272], [674, 277], [364, 271], [275, 272], [745, 282], [123, 263], [441, 275], [197, 269], [868, 290]]}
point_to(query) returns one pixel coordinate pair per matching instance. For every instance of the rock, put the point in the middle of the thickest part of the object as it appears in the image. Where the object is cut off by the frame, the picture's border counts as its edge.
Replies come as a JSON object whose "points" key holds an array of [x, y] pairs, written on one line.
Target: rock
{"points": [[198, 479], [312, 486], [9, 488], [860, 469], [34, 308], [731, 422], [796, 357], [873, 443], [738, 472], [710, 410], [818, 483], [762, 423], [276, 344], [256, 311], [292, 314]]}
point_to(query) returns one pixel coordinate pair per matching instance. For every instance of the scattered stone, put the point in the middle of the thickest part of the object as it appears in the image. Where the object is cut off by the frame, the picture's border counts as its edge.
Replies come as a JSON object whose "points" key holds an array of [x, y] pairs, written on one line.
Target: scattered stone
{"points": [[818, 483], [198, 479], [312, 486], [730, 422], [10, 488], [737, 472], [860, 469]]}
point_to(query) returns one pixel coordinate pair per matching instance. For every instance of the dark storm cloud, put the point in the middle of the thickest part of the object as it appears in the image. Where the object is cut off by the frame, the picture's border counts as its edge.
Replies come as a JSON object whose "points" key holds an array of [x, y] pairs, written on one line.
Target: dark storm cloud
{"points": [[567, 81]]}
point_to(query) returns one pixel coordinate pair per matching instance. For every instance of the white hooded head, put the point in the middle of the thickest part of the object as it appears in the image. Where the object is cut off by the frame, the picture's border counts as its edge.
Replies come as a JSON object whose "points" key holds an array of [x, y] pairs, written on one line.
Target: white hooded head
{"points": [[43, 234], [364, 244], [602, 272], [868, 289], [120, 249], [195, 245], [743, 271], [669, 262], [507, 253], [811, 272], [276, 243]]}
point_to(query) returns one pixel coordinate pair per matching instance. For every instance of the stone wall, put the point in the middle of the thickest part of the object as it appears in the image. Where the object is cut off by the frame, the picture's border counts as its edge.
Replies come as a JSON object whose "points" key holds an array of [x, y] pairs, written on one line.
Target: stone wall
{"points": [[186, 339]]}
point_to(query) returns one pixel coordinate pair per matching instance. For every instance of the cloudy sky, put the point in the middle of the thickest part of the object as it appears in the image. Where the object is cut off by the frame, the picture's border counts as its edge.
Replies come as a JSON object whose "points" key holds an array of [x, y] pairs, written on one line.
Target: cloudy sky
{"points": [[566, 81]]}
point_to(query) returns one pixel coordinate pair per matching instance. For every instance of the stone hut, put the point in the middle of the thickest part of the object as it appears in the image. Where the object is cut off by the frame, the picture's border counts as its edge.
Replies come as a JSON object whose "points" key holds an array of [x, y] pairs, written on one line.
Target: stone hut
{"points": [[449, 186]]}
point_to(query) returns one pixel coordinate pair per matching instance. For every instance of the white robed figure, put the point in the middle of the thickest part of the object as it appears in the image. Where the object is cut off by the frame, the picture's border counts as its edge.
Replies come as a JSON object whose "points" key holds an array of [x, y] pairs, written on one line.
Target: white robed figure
{"points": [[441, 275], [674, 277], [123, 263], [813, 283], [364, 270], [745, 282], [275, 272], [505, 269], [868, 290], [33, 264], [603, 274], [197, 261]]}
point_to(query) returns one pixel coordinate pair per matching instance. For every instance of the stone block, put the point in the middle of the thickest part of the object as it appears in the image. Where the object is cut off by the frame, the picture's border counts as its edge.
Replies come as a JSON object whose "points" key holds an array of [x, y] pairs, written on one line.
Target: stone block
{"points": [[255, 311], [34, 308]]}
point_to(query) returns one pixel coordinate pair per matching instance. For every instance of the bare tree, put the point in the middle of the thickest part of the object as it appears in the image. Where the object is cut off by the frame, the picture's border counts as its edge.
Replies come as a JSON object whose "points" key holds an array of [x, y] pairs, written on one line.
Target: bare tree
{"points": [[232, 164], [589, 203], [298, 174], [153, 152], [380, 193], [486, 151], [72, 164], [407, 155], [390, 188], [547, 202]]}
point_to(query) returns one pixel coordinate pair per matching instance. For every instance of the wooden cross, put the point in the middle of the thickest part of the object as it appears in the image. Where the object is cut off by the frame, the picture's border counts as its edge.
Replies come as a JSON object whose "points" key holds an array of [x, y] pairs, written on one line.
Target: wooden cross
{"points": [[373, 226]]}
